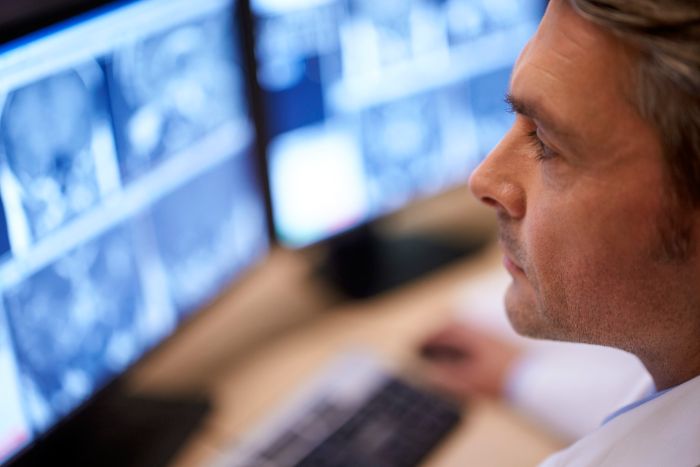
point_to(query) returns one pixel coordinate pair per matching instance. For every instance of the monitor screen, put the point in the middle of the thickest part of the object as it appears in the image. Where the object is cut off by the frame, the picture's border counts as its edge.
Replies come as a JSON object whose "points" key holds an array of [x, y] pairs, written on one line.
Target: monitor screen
{"points": [[129, 196], [371, 104]]}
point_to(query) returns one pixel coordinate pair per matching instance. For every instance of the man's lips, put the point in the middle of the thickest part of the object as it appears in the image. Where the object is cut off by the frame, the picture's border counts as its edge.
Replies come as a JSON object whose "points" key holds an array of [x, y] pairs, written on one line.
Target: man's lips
{"points": [[510, 264], [509, 245]]}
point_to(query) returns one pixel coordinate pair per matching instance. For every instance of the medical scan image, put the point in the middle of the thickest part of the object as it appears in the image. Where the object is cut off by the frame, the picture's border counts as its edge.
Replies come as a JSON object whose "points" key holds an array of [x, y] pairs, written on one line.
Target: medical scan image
{"points": [[208, 230], [468, 19], [392, 22], [75, 323], [401, 142], [173, 88], [55, 133]]}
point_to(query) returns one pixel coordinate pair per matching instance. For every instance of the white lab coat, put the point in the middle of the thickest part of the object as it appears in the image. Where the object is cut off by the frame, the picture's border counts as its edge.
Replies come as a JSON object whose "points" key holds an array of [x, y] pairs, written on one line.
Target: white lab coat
{"points": [[661, 432]]}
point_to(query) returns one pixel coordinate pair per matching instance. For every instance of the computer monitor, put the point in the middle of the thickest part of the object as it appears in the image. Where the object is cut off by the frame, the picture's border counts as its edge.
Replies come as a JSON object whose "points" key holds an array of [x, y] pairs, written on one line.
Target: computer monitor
{"points": [[129, 196], [369, 105]]}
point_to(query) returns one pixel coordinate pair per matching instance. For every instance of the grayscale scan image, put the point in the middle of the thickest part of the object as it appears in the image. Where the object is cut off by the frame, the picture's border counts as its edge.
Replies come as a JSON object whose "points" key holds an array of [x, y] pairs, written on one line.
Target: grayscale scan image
{"points": [[469, 19], [205, 240], [75, 323], [392, 20], [401, 142], [172, 89], [57, 143]]}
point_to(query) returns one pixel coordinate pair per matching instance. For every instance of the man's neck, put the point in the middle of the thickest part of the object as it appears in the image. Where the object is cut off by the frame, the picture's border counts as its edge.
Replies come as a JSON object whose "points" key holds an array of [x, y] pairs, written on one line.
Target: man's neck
{"points": [[668, 372]]}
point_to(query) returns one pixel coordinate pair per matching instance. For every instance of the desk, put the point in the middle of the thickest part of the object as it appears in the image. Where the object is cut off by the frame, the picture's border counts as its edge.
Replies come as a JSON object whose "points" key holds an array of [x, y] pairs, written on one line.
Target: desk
{"points": [[248, 377]]}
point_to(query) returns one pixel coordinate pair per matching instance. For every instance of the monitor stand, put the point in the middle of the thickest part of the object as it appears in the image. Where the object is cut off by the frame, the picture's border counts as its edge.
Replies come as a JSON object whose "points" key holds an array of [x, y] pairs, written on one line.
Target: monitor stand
{"points": [[118, 430], [365, 262]]}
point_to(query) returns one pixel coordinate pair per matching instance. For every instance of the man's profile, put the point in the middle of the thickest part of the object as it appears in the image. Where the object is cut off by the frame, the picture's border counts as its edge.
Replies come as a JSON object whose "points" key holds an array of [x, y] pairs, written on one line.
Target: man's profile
{"points": [[597, 189]]}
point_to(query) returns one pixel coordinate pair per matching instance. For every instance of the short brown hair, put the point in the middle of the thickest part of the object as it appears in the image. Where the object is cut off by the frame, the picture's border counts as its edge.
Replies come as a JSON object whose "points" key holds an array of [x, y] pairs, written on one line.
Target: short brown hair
{"points": [[666, 34]]}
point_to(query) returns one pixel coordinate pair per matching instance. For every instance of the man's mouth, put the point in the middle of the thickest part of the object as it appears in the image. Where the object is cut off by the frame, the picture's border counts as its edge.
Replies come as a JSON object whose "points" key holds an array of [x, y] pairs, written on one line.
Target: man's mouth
{"points": [[509, 260], [511, 265], [509, 246]]}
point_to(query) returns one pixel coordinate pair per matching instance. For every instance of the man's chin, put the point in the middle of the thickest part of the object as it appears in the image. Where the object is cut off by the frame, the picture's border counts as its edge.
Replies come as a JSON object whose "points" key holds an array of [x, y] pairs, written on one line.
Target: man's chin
{"points": [[522, 311]]}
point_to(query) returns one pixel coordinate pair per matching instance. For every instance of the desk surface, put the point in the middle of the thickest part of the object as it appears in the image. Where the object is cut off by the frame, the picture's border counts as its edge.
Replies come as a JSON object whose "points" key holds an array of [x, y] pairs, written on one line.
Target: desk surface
{"points": [[260, 342]]}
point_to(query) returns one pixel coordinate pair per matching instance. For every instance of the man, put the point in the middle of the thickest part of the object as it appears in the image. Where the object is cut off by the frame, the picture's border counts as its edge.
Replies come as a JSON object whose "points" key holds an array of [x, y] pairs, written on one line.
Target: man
{"points": [[597, 189]]}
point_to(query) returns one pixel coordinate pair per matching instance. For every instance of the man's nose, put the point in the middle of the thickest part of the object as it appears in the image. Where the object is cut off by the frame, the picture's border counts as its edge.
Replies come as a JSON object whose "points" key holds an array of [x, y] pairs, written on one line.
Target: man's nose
{"points": [[497, 181]]}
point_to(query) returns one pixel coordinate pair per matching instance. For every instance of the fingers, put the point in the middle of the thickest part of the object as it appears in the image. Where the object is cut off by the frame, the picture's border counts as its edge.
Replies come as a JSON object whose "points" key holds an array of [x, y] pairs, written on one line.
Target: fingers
{"points": [[438, 352], [452, 343], [463, 360]]}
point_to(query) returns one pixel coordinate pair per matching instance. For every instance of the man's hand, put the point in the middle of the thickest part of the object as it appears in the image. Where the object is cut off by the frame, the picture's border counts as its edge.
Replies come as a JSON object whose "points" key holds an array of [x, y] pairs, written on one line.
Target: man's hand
{"points": [[462, 360]]}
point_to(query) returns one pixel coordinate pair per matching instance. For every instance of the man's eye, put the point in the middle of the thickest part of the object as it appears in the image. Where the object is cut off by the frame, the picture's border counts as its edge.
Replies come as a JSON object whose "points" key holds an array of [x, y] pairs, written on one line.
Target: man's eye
{"points": [[542, 151]]}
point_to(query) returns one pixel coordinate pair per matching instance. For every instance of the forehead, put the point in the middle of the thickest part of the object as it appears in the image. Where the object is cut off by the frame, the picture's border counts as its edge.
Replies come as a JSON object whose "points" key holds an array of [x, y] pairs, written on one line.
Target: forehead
{"points": [[574, 69]]}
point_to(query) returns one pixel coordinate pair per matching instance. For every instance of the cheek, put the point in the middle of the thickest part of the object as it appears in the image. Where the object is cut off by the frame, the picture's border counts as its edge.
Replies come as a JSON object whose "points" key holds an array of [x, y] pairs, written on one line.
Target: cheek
{"points": [[552, 250], [587, 255]]}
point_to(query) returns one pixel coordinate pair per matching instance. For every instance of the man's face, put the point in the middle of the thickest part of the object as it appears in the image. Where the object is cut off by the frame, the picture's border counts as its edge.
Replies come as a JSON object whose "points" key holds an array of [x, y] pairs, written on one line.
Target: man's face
{"points": [[581, 194]]}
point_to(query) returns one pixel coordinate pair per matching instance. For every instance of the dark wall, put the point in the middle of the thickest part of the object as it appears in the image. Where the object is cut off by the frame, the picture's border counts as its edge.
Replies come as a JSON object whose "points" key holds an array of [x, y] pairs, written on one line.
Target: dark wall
{"points": [[17, 10], [19, 16]]}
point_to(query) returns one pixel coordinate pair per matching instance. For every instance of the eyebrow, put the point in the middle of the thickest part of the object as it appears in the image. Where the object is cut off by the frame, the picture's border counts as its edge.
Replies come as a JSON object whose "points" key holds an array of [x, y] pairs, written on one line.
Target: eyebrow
{"points": [[535, 112]]}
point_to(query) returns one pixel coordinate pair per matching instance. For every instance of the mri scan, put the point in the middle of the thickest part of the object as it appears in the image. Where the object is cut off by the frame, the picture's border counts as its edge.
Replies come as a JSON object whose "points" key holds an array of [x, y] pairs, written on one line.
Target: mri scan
{"points": [[217, 237], [172, 89], [93, 295], [401, 143], [56, 134]]}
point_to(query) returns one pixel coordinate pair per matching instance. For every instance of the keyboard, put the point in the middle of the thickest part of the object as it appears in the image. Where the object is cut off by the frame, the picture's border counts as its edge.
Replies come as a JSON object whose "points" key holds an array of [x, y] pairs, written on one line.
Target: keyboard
{"points": [[358, 414]]}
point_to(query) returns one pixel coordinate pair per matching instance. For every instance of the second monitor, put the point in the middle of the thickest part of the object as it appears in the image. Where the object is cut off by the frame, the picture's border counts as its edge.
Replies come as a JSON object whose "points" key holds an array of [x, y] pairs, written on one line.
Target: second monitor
{"points": [[370, 105]]}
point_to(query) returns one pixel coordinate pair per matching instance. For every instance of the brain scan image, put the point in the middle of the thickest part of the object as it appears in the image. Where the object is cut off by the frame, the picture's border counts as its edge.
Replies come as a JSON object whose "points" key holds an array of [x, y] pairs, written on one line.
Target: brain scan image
{"points": [[465, 20], [392, 22], [172, 89], [388, 14], [208, 230], [75, 322], [49, 128], [401, 141]]}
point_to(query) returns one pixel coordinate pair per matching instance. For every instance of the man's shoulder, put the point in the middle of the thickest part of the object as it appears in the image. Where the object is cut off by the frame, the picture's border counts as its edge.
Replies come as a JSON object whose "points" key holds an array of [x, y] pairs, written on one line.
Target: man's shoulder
{"points": [[663, 431]]}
